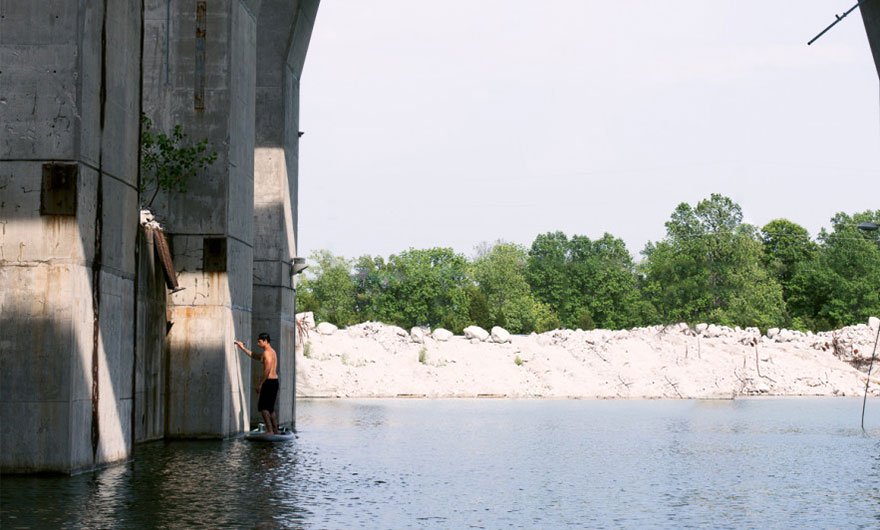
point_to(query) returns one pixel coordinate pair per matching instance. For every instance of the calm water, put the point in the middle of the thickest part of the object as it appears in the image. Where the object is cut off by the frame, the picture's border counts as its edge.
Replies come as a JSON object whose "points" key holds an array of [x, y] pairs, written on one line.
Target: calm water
{"points": [[775, 463]]}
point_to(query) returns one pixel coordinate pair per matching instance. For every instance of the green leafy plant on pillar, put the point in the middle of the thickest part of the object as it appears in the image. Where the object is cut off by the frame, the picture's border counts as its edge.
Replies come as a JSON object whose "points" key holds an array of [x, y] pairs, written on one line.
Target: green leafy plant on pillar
{"points": [[168, 162]]}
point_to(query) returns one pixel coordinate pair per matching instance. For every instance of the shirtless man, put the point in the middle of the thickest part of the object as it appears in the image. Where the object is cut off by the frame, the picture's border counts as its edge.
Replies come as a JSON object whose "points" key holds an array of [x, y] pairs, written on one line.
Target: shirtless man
{"points": [[268, 389]]}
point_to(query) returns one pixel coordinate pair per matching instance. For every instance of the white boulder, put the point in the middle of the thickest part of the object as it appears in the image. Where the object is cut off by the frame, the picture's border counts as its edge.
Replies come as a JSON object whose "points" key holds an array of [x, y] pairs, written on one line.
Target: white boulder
{"points": [[772, 332], [712, 331], [326, 328], [441, 334], [476, 332], [701, 327], [500, 335], [417, 334], [399, 331], [873, 322]]}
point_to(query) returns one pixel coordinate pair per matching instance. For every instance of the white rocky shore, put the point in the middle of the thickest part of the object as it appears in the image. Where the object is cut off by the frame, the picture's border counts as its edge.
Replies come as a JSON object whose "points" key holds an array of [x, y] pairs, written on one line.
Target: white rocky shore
{"points": [[678, 362]]}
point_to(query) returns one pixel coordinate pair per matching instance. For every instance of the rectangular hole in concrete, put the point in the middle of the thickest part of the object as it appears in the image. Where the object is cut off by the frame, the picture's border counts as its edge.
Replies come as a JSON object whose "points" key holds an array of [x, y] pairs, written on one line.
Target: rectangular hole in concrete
{"points": [[58, 190], [214, 254]]}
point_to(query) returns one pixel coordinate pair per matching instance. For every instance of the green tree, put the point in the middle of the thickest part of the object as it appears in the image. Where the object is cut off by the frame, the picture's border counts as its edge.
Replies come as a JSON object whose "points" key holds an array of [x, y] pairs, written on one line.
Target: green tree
{"points": [[479, 313], [549, 276], [588, 283], [371, 279], [786, 245], [328, 289], [500, 277], [709, 268], [604, 276], [840, 285], [425, 287]]}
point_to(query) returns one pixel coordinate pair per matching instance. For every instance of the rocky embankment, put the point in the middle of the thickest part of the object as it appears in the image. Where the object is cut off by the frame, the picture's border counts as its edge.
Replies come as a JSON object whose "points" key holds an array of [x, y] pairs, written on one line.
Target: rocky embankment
{"points": [[677, 361]]}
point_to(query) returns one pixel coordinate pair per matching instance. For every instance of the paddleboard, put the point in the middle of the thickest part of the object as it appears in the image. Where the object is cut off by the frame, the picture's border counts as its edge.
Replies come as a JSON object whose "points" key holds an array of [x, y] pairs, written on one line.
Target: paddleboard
{"points": [[258, 435]]}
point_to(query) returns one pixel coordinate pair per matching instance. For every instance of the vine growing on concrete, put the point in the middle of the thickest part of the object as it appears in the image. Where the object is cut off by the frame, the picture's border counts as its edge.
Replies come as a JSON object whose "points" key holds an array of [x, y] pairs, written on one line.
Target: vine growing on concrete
{"points": [[168, 162]]}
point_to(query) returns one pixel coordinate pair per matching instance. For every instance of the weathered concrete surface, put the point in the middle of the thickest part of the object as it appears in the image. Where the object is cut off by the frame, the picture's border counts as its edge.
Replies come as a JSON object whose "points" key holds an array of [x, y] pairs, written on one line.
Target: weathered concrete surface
{"points": [[149, 418], [871, 17], [67, 280], [283, 32], [200, 72], [86, 365]]}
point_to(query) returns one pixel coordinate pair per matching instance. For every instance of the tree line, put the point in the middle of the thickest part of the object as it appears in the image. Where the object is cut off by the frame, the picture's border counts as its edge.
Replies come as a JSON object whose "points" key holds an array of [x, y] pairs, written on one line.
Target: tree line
{"points": [[710, 267]]}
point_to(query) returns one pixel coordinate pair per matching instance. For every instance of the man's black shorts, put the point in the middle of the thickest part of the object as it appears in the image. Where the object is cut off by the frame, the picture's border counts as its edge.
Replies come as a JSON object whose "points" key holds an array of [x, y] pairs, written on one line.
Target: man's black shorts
{"points": [[268, 393]]}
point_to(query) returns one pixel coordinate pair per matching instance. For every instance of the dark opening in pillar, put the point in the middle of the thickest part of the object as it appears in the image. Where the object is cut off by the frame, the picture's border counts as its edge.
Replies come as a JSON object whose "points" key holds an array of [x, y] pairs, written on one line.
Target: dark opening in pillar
{"points": [[58, 190], [214, 254]]}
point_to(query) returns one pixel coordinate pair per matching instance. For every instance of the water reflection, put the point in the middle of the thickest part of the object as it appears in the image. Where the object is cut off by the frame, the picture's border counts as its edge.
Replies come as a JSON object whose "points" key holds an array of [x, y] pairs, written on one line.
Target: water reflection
{"points": [[370, 415], [491, 464]]}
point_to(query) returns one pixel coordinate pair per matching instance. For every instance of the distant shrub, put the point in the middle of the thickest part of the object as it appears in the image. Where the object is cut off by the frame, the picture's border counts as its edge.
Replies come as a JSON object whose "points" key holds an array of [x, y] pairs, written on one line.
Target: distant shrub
{"points": [[585, 321], [478, 308]]}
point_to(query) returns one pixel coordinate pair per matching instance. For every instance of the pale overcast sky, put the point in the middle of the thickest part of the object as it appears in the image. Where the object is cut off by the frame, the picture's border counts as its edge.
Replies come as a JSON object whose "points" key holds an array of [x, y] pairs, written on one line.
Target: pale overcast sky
{"points": [[452, 123]]}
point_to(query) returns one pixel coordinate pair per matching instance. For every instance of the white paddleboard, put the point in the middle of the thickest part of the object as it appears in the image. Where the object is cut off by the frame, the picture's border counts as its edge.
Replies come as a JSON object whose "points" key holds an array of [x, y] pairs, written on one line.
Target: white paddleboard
{"points": [[258, 435]]}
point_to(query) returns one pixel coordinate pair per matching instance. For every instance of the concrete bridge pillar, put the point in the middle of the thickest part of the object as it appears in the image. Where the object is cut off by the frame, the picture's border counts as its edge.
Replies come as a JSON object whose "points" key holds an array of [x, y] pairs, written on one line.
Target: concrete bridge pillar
{"points": [[871, 17], [200, 72], [80, 377], [283, 31], [69, 105]]}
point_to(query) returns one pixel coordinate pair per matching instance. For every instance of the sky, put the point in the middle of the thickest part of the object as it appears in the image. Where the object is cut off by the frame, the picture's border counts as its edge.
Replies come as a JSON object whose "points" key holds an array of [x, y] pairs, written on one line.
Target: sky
{"points": [[460, 122]]}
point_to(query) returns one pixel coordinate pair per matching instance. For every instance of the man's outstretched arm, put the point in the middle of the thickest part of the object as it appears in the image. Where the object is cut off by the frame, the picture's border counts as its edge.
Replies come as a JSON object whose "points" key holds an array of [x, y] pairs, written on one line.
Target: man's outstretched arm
{"points": [[249, 353]]}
